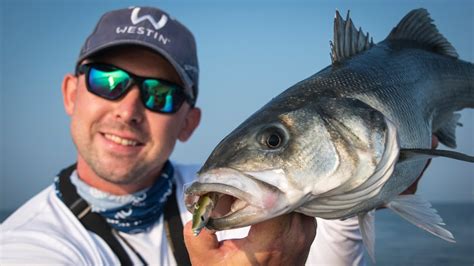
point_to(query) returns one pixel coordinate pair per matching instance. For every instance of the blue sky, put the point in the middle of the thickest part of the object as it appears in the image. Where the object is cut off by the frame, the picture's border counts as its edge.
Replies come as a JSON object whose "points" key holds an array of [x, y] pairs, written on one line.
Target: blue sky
{"points": [[249, 51]]}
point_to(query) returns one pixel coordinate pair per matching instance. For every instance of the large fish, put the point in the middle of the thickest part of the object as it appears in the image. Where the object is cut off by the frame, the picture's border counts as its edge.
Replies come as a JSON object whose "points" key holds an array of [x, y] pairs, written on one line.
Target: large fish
{"points": [[348, 139]]}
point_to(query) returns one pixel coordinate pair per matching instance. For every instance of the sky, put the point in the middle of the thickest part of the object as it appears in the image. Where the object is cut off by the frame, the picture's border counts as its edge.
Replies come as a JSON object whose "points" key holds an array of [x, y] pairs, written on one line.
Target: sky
{"points": [[249, 52]]}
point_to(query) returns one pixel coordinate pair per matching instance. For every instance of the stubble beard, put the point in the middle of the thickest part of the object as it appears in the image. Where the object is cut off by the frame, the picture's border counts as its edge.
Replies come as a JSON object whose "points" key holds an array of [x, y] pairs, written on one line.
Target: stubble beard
{"points": [[107, 166], [115, 176], [136, 172]]}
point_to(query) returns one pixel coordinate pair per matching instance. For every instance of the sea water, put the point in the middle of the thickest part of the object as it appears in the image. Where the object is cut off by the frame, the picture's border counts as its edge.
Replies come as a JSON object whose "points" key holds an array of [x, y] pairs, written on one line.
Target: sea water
{"points": [[399, 242]]}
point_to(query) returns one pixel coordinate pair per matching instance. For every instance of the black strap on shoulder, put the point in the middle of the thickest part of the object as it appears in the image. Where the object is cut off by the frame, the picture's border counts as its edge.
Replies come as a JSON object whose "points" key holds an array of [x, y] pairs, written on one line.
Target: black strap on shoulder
{"points": [[174, 231], [97, 224], [90, 220]]}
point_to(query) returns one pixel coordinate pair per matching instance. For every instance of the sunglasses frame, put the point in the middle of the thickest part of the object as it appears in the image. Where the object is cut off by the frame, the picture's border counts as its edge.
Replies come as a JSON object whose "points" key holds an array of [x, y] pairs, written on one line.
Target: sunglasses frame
{"points": [[134, 79]]}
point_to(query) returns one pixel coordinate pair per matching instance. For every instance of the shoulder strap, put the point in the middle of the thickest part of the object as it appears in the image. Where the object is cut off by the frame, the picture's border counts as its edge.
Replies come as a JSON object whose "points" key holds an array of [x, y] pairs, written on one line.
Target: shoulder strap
{"points": [[92, 221], [97, 224], [174, 230]]}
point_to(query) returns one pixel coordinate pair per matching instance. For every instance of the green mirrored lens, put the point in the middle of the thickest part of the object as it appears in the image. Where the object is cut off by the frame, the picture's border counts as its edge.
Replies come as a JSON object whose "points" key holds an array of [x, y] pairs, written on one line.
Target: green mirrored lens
{"points": [[108, 83], [159, 96]]}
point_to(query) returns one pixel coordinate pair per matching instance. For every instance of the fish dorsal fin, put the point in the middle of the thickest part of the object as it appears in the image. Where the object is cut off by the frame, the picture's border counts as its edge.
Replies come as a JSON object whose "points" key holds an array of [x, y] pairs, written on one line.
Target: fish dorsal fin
{"points": [[417, 26], [348, 41]]}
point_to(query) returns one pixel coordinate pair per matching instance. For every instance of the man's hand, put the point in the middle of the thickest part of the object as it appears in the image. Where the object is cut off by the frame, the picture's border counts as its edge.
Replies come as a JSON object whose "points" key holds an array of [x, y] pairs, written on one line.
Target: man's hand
{"points": [[412, 189], [284, 240]]}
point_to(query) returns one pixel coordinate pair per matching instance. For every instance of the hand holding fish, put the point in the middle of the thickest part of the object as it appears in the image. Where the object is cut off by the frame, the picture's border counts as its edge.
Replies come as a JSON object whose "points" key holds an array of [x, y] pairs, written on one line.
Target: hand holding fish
{"points": [[285, 240]]}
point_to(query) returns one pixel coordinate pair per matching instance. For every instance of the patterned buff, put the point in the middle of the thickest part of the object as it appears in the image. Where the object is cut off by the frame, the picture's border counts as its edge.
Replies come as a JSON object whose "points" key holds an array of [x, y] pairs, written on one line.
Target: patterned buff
{"points": [[134, 213]]}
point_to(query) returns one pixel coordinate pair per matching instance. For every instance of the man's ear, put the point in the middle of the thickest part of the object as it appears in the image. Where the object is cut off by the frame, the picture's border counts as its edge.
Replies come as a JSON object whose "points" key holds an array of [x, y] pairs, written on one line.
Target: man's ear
{"points": [[190, 124], [69, 90]]}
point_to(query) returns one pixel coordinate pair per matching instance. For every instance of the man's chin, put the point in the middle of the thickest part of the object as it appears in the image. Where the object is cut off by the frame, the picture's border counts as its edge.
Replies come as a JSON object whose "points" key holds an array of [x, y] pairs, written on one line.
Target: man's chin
{"points": [[120, 175]]}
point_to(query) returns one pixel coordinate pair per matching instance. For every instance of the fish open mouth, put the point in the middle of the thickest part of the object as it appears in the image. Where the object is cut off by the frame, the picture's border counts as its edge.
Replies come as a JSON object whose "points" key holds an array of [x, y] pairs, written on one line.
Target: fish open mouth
{"points": [[225, 198], [237, 199], [230, 203]]}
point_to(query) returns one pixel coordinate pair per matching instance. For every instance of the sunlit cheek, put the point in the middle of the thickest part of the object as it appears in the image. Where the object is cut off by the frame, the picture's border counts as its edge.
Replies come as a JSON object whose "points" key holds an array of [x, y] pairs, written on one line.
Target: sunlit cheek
{"points": [[91, 116], [162, 135], [89, 106]]}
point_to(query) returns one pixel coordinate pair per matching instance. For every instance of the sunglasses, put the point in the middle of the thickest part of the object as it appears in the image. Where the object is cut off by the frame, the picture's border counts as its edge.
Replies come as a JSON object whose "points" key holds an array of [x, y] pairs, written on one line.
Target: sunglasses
{"points": [[111, 82]]}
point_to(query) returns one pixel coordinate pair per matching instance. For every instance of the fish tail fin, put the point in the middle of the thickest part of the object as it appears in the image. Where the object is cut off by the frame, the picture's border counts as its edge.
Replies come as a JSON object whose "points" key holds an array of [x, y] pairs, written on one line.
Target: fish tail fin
{"points": [[420, 213], [367, 230], [417, 26]]}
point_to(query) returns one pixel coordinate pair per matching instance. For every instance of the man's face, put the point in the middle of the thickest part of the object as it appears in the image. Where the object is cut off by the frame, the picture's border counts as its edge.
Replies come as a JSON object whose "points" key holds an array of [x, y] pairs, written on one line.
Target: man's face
{"points": [[120, 141]]}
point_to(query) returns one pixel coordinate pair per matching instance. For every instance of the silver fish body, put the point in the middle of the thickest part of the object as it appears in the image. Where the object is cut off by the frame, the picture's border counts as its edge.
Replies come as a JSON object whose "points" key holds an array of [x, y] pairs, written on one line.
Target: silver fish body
{"points": [[329, 146]]}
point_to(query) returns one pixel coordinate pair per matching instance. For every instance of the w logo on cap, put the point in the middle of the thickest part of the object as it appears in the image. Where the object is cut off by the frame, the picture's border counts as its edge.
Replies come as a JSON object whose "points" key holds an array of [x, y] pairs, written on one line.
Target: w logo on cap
{"points": [[156, 24]]}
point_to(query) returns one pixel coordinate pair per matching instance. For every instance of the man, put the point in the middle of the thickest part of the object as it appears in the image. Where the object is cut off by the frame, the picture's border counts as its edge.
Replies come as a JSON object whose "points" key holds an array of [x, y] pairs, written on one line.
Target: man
{"points": [[130, 99]]}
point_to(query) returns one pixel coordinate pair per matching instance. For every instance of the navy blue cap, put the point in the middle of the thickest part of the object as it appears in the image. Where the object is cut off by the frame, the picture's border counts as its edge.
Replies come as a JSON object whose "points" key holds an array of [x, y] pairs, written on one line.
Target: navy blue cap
{"points": [[152, 28]]}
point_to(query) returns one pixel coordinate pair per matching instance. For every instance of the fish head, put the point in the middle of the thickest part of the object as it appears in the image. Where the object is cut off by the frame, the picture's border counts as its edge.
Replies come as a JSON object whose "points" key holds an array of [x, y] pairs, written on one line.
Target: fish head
{"points": [[286, 154]]}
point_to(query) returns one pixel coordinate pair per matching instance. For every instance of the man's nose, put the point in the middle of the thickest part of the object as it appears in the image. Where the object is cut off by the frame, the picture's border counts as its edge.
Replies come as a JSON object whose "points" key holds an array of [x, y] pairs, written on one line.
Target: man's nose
{"points": [[130, 108]]}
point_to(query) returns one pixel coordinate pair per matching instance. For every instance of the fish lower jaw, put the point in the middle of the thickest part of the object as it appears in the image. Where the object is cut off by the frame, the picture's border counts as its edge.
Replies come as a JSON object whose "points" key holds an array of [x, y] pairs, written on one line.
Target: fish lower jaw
{"points": [[234, 206], [232, 212], [245, 216]]}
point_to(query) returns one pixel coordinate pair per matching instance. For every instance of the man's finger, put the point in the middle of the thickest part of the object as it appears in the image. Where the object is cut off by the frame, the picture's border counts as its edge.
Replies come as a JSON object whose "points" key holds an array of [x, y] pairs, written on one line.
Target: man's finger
{"points": [[282, 227], [266, 232], [292, 233], [434, 142], [200, 244]]}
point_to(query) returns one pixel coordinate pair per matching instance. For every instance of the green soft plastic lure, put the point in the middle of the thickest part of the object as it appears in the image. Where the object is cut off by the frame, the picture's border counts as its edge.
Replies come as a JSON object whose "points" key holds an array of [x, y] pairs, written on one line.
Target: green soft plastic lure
{"points": [[202, 211]]}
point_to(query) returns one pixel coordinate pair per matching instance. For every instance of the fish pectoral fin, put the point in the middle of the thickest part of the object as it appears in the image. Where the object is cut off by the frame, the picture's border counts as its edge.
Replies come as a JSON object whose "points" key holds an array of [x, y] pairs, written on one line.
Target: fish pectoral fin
{"points": [[420, 213], [367, 230], [423, 154], [447, 132]]}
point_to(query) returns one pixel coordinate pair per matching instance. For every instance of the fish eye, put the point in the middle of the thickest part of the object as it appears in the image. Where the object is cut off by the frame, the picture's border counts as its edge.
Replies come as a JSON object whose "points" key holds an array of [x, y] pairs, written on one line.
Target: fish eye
{"points": [[273, 141], [272, 137]]}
